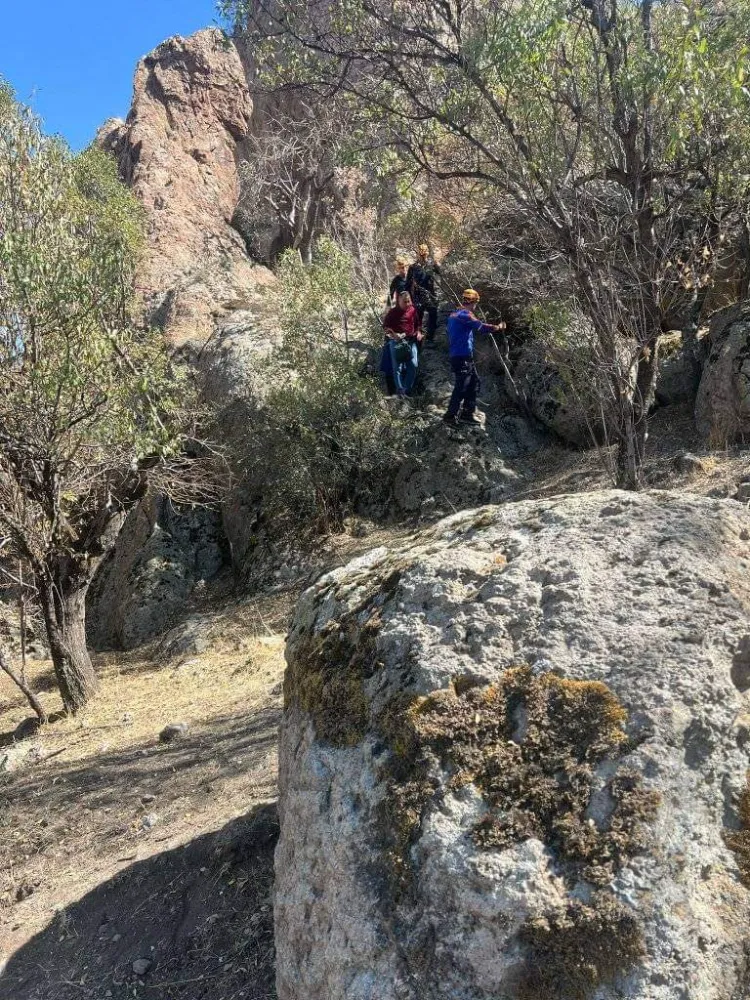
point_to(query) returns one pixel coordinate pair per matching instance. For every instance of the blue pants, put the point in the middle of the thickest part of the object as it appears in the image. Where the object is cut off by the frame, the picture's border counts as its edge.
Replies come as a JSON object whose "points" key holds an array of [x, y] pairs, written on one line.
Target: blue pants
{"points": [[404, 372], [466, 386]]}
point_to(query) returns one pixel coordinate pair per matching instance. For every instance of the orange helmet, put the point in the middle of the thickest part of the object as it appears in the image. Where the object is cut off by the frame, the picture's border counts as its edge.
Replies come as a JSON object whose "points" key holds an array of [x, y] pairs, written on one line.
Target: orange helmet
{"points": [[470, 295]]}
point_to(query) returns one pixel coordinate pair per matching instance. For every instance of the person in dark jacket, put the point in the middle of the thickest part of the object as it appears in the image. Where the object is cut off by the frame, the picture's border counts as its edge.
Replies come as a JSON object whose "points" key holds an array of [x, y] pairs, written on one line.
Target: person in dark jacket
{"points": [[421, 283], [399, 282], [403, 330], [462, 328]]}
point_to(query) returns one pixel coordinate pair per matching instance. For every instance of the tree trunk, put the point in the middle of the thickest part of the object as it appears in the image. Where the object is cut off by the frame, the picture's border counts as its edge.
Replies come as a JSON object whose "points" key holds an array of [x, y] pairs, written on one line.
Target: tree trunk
{"points": [[64, 609], [631, 451]]}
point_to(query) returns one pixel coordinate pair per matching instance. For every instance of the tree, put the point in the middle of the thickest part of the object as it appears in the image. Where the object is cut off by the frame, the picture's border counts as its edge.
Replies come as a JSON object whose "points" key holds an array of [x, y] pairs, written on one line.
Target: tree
{"points": [[292, 171], [621, 127], [92, 411]]}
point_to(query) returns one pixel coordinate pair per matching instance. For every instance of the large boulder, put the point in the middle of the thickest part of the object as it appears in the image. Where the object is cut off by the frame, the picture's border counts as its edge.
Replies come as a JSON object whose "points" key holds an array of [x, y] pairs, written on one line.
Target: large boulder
{"points": [[162, 554], [552, 396], [722, 408], [178, 150], [676, 377], [513, 760]]}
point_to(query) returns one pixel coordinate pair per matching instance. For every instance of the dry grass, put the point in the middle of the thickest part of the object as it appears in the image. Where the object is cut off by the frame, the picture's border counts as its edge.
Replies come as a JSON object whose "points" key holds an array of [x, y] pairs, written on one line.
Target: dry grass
{"points": [[558, 469], [80, 806]]}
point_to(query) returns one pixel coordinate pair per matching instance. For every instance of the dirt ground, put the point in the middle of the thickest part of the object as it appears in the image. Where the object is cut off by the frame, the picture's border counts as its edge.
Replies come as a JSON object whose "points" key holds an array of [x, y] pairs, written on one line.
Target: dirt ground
{"points": [[116, 847], [130, 867]]}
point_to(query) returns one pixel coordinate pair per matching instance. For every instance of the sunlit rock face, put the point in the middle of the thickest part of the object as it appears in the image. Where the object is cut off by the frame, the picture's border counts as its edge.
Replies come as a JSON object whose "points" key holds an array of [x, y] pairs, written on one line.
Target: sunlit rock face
{"points": [[178, 150]]}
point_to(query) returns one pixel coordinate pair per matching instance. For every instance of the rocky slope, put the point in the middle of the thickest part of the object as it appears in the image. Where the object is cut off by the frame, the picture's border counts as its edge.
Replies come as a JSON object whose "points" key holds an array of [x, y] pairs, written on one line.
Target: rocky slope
{"points": [[179, 150], [513, 760], [722, 409]]}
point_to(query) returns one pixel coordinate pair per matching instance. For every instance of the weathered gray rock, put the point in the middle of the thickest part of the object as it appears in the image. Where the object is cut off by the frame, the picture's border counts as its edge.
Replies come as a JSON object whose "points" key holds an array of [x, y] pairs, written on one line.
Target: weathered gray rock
{"points": [[141, 966], [174, 731], [456, 467], [722, 407], [676, 380], [161, 555], [553, 399], [459, 827], [688, 463]]}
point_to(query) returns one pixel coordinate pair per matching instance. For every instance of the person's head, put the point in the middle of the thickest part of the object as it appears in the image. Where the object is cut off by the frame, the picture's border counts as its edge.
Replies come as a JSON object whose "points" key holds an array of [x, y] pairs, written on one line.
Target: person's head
{"points": [[401, 265], [470, 298], [404, 300], [423, 251]]}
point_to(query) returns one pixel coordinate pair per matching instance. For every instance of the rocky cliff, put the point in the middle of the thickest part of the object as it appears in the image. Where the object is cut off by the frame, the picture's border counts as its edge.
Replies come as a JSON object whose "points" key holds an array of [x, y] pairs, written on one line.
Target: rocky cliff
{"points": [[178, 150], [513, 760], [722, 408]]}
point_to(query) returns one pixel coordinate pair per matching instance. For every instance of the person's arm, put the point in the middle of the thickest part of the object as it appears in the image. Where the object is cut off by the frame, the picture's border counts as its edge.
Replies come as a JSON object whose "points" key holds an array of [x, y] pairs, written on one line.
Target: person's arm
{"points": [[479, 327]]}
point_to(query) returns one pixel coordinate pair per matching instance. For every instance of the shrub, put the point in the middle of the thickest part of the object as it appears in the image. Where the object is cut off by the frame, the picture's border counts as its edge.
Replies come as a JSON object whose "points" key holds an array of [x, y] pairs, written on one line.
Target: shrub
{"points": [[334, 441]]}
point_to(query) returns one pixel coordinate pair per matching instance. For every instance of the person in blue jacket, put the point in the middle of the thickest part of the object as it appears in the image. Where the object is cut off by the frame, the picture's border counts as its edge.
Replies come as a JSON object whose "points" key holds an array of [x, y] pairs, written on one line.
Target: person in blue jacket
{"points": [[462, 327]]}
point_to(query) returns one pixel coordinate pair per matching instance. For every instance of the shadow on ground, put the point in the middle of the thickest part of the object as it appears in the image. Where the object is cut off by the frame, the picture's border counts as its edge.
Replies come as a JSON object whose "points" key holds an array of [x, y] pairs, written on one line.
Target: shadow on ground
{"points": [[200, 914]]}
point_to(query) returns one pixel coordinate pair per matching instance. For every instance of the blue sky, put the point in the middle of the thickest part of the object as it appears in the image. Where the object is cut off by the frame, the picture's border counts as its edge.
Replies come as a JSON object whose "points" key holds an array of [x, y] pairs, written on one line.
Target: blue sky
{"points": [[74, 60]]}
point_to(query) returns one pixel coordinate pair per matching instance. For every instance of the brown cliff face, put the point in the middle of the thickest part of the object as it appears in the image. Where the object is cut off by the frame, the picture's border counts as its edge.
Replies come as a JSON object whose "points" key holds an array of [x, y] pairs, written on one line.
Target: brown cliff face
{"points": [[178, 151]]}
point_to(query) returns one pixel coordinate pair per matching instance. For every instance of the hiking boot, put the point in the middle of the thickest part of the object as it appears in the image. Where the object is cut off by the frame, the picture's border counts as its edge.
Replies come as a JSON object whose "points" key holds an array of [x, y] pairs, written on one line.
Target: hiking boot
{"points": [[470, 418], [450, 420]]}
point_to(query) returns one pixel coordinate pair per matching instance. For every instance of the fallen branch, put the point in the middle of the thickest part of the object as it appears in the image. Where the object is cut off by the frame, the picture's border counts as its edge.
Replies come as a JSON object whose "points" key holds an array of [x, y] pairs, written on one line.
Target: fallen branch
{"points": [[32, 699]]}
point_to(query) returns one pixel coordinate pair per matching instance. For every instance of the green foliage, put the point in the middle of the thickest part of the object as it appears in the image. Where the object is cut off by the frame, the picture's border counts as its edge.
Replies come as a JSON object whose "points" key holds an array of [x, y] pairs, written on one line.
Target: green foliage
{"points": [[317, 300], [85, 394], [334, 441], [620, 129], [425, 219], [552, 322]]}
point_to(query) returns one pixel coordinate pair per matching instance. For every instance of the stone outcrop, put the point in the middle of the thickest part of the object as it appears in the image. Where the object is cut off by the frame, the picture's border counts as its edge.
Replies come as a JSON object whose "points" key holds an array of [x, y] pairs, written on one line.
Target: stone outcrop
{"points": [[722, 408], [552, 400], [513, 760], [178, 150], [161, 556], [676, 377]]}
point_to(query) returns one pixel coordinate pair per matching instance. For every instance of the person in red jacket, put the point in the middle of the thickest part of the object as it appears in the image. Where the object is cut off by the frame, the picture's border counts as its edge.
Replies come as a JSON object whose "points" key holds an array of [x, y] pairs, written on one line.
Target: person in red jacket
{"points": [[403, 330]]}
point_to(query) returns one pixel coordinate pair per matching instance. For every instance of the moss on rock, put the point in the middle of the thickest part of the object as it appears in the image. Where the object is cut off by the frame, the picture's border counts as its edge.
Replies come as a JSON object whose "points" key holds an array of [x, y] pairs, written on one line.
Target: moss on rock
{"points": [[570, 953], [326, 676], [531, 745], [326, 679], [542, 752]]}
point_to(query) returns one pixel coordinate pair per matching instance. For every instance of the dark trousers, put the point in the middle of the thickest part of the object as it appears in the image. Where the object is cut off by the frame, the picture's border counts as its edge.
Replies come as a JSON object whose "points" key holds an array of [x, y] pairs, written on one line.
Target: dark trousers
{"points": [[466, 387], [429, 317]]}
